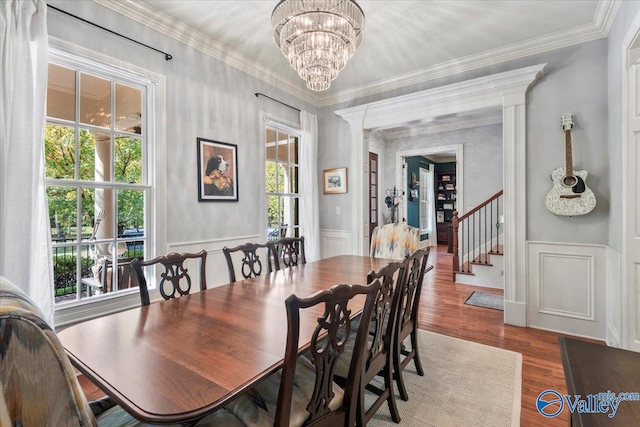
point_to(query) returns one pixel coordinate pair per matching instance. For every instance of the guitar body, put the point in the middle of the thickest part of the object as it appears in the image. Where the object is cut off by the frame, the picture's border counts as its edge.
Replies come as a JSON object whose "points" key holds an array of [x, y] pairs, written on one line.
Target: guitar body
{"points": [[564, 200], [570, 195]]}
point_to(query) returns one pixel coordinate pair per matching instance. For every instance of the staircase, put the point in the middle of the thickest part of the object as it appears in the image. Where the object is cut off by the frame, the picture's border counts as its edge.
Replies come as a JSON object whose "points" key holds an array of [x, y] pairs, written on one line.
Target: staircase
{"points": [[478, 245]]}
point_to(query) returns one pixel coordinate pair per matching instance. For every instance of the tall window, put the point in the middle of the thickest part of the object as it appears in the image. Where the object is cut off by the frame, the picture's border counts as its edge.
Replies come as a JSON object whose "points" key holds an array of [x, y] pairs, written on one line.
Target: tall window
{"points": [[282, 171], [96, 146]]}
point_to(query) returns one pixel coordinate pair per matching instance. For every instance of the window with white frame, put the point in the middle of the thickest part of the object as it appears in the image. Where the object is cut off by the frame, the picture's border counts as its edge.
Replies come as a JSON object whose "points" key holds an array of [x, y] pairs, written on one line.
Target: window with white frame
{"points": [[97, 146], [426, 202], [282, 171]]}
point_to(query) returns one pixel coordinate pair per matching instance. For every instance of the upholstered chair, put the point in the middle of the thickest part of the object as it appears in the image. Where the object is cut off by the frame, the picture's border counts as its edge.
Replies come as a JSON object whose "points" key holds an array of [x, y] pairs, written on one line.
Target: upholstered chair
{"points": [[38, 385], [394, 241]]}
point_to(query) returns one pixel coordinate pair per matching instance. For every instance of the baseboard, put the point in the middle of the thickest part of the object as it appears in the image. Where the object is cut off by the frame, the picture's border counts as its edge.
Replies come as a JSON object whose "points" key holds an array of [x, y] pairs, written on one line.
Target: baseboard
{"points": [[515, 313]]}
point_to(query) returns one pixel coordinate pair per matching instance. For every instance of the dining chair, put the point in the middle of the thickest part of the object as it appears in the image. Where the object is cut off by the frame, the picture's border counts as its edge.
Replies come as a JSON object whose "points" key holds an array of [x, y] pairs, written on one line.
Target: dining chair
{"points": [[378, 356], [38, 384], [303, 393], [290, 251], [252, 261], [175, 280], [407, 323], [394, 241]]}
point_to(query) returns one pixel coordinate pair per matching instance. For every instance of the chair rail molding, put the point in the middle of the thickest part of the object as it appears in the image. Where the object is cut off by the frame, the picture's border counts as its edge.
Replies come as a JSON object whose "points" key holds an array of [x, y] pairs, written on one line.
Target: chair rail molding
{"points": [[503, 90]]}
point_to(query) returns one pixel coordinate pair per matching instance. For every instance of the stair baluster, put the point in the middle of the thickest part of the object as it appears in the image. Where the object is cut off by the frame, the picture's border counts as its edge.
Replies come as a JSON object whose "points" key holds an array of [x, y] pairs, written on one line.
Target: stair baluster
{"points": [[468, 230]]}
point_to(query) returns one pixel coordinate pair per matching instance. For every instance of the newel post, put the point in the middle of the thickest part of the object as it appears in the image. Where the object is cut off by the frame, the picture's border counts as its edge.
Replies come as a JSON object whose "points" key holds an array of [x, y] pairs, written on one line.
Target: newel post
{"points": [[454, 225]]}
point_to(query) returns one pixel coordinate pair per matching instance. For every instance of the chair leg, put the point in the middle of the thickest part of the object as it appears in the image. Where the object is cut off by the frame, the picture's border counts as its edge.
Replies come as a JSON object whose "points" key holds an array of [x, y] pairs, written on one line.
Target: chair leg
{"points": [[391, 400], [416, 357], [397, 373], [361, 421]]}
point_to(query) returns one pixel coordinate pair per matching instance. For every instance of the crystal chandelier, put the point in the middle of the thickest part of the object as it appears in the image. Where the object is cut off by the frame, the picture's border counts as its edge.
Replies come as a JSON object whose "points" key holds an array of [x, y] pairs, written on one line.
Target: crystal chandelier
{"points": [[318, 37]]}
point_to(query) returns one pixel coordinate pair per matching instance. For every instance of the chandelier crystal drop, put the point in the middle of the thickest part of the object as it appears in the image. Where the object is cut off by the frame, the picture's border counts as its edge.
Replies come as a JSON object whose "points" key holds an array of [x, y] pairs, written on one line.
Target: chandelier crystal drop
{"points": [[318, 37]]}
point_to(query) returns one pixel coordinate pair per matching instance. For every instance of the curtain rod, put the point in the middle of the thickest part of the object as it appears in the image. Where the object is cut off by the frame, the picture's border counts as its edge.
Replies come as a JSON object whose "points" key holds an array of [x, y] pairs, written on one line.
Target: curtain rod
{"points": [[279, 102], [166, 55]]}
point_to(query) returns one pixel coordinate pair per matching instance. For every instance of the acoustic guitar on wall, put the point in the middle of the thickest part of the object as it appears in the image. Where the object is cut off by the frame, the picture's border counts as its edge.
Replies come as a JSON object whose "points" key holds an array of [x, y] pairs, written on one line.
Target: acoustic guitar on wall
{"points": [[570, 195]]}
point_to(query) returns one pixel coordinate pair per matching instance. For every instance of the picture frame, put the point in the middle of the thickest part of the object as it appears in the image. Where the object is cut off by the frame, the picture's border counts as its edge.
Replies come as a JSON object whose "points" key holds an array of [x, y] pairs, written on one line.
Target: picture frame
{"points": [[217, 171], [334, 181], [440, 216]]}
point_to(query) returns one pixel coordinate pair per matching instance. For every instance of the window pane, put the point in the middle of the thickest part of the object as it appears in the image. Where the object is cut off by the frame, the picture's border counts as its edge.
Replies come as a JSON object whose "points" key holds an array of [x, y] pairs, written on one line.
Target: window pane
{"points": [[88, 154], [273, 211], [293, 179], [95, 100], [271, 144], [293, 149], [104, 207], [270, 175], [62, 213], [95, 156], [89, 215], [282, 178], [64, 273], [130, 212], [128, 161], [283, 147], [61, 93], [128, 109], [59, 151]]}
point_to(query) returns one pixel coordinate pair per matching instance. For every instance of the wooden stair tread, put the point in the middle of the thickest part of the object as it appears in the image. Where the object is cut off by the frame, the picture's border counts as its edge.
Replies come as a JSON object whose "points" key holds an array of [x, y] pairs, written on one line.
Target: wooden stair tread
{"points": [[482, 259], [497, 250]]}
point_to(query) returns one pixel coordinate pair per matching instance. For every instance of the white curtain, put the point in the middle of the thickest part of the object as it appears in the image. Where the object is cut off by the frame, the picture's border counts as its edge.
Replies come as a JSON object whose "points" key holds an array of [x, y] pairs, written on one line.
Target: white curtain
{"points": [[309, 214], [433, 234], [25, 248]]}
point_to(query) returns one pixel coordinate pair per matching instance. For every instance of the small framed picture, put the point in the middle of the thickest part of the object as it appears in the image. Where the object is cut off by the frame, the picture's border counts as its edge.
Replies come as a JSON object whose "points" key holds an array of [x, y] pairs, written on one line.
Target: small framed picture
{"points": [[447, 206], [217, 171], [334, 181], [440, 216]]}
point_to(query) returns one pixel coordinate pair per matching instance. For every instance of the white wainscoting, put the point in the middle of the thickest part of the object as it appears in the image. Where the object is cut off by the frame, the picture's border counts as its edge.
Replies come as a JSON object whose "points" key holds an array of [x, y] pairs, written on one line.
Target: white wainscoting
{"points": [[567, 288], [217, 273], [336, 242], [613, 292]]}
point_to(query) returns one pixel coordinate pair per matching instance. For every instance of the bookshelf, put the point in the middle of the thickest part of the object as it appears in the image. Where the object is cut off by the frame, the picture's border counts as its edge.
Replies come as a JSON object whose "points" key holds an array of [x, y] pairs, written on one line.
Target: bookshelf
{"points": [[446, 195]]}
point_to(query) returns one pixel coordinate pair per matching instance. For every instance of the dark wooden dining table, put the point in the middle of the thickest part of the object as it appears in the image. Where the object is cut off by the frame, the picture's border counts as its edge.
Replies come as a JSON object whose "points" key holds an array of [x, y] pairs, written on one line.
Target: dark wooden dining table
{"points": [[177, 360]]}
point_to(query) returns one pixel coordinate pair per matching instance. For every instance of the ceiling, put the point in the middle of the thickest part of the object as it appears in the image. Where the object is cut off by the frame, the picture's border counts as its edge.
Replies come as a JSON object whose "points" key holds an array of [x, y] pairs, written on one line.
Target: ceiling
{"points": [[405, 42]]}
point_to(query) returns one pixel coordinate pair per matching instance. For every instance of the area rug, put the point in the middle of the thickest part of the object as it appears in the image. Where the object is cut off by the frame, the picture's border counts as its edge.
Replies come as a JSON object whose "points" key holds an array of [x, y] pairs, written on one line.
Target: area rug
{"points": [[465, 384], [486, 300]]}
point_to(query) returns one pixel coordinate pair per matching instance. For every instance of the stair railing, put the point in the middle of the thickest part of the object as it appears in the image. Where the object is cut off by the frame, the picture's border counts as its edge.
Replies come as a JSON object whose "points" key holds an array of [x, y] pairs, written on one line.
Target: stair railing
{"points": [[475, 230]]}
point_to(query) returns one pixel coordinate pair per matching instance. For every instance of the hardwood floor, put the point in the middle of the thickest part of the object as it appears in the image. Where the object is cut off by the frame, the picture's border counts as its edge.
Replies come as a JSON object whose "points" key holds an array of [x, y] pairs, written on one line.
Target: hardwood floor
{"points": [[442, 310]]}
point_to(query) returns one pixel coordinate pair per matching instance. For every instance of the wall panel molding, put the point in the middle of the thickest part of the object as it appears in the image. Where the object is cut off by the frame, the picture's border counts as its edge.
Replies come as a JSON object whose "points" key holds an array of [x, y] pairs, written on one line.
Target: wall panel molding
{"points": [[567, 286], [335, 242]]}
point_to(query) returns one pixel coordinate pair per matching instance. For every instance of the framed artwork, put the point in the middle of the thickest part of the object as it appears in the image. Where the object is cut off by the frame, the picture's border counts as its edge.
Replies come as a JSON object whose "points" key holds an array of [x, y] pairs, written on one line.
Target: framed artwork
{"points": [[334, 181], [217, 171]]}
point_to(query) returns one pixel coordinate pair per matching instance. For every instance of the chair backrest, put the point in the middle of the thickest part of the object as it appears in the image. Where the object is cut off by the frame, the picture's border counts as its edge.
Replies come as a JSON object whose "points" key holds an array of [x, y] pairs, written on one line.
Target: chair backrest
{"points": [[385, 315], [326, 352], [291, 251], [252, 261], [126, 275], [38, 385], [410, 298], [394, 241], [175, 280]]}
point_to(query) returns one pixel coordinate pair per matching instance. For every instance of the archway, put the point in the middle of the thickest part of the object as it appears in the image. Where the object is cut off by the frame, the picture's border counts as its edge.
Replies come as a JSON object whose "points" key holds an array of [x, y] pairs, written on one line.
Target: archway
{"points": [[506, 90]]}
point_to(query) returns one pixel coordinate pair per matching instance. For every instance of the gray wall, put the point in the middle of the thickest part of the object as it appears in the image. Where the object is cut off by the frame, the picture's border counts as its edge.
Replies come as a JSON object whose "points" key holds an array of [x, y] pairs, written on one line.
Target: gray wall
{"points": [[205, 98], [482, 159], [626, 14], [576, 82]]}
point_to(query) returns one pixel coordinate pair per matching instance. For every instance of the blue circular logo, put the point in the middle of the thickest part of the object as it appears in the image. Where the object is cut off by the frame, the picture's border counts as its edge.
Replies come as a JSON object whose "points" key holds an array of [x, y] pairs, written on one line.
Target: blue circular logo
{"points": [[549, 403]]}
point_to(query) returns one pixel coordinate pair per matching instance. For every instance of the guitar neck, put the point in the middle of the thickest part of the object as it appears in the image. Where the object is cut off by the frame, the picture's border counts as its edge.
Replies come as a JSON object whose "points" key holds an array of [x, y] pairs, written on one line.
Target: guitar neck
{"points": [[569, 158]]}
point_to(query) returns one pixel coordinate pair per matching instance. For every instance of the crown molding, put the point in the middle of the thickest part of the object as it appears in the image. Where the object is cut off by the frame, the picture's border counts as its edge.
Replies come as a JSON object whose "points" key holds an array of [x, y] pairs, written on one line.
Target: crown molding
{"points": [[175, 29], [599, 28]]}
